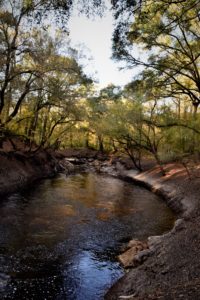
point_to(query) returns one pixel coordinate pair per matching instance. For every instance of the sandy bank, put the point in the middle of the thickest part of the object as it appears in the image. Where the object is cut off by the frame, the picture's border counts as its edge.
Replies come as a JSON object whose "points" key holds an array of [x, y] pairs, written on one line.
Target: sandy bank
{"points": [[172, 269]]}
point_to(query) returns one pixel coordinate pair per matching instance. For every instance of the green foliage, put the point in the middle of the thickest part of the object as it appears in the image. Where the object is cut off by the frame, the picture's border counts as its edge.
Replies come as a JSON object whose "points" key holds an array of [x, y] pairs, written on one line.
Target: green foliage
{"points": [[169, 30], [47, 98], [39, 88]]}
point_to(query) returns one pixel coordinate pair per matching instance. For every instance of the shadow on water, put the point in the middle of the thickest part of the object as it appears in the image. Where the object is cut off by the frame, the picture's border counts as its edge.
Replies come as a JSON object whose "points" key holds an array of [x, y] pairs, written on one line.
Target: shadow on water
{"points": [[60, 239]]}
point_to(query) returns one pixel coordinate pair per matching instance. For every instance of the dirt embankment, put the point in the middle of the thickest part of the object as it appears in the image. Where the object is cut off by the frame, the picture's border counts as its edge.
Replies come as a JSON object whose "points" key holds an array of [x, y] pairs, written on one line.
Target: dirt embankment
{"points": [[18, 169], [171, 267]]}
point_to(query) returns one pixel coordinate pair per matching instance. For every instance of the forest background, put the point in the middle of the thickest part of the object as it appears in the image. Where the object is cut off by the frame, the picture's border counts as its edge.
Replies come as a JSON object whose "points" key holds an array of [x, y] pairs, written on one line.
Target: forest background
{"points": [[48, 101]]}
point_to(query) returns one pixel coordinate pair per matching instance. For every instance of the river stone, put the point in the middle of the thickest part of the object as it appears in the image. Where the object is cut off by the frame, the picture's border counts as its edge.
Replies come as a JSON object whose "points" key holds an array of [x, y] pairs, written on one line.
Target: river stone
{"points": [[134, 247], [67, 166]]}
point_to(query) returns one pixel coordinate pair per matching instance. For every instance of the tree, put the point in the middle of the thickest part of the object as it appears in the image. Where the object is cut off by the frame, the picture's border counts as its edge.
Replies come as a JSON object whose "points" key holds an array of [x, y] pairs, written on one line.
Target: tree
{"points": [[97, 108], [170, 29], [37, 84]]}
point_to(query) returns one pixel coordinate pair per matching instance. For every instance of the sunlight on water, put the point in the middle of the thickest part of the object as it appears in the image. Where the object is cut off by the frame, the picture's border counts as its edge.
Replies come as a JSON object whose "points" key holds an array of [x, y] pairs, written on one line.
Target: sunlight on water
{"points": [[60, 239]]}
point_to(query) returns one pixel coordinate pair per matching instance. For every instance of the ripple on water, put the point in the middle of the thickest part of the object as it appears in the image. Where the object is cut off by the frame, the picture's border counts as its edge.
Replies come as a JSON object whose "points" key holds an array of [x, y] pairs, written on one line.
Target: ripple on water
{"points": [[60, 239]]}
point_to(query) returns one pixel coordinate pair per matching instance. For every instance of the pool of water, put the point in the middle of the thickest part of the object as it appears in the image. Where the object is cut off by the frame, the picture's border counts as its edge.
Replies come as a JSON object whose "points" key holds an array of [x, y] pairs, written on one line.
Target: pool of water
{"points": [[60, 239]]}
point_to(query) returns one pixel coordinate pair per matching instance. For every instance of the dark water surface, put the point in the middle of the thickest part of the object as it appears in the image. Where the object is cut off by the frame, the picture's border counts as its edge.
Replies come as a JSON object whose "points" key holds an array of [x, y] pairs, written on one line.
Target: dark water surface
{"points": [[60, 239]]}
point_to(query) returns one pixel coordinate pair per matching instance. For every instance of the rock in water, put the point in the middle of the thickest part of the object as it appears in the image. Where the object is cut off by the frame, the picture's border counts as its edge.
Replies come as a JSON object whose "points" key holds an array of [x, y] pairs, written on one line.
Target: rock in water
{"points": [[134, 247]]}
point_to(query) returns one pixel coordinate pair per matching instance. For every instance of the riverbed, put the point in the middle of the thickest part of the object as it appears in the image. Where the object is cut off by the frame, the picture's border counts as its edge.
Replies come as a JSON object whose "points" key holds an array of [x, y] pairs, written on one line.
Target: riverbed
{"points": [[60, 239]]}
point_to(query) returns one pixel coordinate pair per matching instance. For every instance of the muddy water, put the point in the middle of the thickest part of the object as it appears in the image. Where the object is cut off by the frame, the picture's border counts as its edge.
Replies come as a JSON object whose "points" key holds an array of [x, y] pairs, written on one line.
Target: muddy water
{"points": [[60, 239]]}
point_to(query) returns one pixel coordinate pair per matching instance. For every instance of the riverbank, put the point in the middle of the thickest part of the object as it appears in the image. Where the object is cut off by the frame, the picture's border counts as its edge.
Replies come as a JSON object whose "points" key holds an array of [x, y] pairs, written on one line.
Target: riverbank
{"points": [[20, 169], [171, 268]]}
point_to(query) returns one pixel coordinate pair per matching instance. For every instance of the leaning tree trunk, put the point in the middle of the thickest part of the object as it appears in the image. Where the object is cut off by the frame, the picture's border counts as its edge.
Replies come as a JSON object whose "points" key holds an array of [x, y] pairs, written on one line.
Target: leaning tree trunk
{"points": [[136, 159]]}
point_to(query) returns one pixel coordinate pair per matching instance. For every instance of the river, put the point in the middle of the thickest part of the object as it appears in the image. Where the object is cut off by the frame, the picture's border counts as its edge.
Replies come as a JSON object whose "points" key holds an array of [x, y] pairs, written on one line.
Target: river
{"points": [[59, 239]]}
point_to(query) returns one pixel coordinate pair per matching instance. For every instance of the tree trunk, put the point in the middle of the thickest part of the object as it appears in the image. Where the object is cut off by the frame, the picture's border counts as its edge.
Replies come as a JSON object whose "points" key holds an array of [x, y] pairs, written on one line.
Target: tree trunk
{"points": [[33, 125], [100, 141], [155, 154], [136, 160], [195, 108], [44, 129], [71, 139], [194, 142], [87, 145], [8, 104]]}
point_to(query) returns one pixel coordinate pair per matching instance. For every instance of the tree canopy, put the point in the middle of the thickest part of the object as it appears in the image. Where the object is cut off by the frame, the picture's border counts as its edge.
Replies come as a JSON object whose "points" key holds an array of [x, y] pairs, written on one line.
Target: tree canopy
{"points": [[46, 97]]}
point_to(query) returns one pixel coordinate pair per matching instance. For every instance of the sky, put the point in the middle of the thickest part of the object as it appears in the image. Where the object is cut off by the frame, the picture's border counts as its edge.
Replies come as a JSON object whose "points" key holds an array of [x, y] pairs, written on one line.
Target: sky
{"points": [[96, 35]]}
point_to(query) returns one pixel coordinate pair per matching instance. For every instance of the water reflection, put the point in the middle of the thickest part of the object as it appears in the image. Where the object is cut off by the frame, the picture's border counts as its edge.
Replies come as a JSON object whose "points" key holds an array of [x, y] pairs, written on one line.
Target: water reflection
{"points": [[60, 240]]}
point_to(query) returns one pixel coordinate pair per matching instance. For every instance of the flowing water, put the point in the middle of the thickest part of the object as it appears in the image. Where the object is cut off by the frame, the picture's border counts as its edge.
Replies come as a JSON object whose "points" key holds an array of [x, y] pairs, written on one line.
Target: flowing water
{"points": [[60, 239]]}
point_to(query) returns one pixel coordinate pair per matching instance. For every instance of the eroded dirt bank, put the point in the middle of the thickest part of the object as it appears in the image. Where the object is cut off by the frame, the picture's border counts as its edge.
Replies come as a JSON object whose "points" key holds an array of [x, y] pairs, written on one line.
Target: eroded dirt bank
{"points": [[171, 269], [19, 167], [18, 170]]}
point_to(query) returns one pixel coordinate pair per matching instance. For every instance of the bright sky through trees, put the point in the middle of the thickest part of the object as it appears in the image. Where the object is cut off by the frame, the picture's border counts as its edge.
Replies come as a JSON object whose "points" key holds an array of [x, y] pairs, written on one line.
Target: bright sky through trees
{"points": [[46, 97], [96, 34]]}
